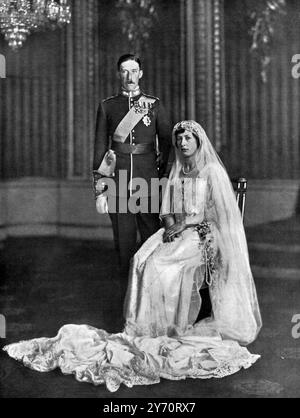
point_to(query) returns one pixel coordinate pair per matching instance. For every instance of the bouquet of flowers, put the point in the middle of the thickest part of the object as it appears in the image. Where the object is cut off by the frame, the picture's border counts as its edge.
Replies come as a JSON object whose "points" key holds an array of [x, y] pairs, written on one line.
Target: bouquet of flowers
{"points": [[206, 240]]}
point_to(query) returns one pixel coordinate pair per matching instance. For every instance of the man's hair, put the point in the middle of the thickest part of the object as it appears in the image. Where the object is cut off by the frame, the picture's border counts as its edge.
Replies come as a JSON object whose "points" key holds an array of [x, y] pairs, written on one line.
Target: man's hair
{"points": [[129, 57]]}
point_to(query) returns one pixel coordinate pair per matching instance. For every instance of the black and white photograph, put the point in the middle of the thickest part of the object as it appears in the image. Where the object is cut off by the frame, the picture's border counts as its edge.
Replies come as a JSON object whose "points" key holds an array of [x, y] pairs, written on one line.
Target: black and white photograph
{"points": [[149, 201]]}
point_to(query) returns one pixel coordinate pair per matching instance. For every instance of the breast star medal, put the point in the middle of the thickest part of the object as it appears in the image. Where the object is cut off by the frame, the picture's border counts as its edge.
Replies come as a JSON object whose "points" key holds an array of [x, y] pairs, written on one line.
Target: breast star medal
{"points": [[147, 120]]}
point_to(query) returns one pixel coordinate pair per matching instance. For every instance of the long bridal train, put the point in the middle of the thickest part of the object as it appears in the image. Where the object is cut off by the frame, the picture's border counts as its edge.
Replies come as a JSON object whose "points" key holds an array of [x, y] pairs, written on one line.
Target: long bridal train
{"points": [[95, 356]]}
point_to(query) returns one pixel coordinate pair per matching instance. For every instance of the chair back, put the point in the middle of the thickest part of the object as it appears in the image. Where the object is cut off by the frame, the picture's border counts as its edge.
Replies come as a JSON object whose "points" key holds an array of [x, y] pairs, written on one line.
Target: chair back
{"points": [[240, 187]]}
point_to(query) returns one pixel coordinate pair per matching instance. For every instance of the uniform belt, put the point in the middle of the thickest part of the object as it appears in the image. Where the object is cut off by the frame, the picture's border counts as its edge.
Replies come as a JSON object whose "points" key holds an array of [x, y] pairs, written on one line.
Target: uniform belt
{"points": [[132, 148]]}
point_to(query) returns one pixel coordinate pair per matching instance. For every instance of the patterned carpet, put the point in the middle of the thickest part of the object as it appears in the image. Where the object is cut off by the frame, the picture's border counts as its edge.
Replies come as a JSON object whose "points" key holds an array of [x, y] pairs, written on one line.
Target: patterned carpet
{"points": [[46, 283]]}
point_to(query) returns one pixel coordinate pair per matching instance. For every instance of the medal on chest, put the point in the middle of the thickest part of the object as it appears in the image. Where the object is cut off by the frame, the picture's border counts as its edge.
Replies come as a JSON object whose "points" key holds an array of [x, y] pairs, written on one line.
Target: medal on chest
{"points": [[144, 107], [147, 120]]}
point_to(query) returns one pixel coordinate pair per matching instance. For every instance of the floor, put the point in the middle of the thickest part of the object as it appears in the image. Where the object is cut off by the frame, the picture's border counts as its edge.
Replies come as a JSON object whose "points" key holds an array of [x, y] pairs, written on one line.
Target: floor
{"points": [[48, 282]]}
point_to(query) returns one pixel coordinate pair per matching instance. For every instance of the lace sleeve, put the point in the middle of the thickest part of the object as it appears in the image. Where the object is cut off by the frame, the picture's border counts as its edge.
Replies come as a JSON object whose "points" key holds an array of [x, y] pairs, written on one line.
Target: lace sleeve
{"points": [[210, 214]]}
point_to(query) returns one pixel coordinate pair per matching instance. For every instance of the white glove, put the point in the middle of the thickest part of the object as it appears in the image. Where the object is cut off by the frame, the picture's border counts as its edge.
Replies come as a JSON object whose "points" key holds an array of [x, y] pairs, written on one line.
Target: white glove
{"points": [[101, 204], [108, 165]]}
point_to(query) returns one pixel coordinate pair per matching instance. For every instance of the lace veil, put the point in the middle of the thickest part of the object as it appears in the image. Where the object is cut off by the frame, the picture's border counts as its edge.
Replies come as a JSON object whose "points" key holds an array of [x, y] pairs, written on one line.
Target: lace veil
{"points": [[233, 295]]}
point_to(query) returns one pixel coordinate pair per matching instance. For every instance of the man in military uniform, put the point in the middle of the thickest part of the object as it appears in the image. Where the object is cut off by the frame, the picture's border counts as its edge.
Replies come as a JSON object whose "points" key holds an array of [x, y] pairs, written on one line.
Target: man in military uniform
{"points": [[131, 124]]}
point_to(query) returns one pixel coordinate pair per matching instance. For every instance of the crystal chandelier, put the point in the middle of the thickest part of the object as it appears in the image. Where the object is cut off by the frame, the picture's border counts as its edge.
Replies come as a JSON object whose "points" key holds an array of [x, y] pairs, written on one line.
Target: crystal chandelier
{"points": [[19, 18]]}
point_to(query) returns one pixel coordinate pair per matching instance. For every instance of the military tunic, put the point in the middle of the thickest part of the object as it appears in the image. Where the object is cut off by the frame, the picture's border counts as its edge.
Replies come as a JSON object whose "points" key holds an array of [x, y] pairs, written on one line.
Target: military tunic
{"points": [[154, 127]]}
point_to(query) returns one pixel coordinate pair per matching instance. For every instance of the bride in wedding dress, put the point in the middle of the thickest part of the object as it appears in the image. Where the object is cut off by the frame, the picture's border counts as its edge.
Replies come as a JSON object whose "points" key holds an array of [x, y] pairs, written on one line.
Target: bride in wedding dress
{"points": [[202, 241]]}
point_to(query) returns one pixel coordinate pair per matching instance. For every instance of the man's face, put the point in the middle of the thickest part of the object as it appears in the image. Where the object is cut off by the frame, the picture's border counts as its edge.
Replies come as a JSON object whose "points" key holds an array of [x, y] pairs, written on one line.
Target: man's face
{"points": [[130, 75]]}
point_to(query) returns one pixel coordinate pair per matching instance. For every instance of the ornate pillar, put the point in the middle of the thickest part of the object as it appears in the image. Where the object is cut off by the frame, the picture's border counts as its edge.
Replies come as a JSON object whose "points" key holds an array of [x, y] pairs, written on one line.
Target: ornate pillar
{"points": [[190, 58], [80, 88], [205, 66]]}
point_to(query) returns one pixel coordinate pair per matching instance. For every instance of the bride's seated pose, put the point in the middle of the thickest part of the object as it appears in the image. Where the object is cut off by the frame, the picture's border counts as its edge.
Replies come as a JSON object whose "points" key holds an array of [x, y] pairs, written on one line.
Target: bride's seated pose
{"points": [[202, 241]]}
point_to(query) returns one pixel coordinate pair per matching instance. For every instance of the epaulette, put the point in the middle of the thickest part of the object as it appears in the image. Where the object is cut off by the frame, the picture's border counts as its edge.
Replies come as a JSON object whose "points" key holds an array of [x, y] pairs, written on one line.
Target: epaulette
{"points": [[151, 97], [109, 98]]}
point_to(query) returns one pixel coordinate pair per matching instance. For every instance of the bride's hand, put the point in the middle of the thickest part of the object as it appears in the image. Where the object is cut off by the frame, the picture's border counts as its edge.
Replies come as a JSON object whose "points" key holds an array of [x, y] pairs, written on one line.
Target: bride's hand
{"points": [[173, 232]]}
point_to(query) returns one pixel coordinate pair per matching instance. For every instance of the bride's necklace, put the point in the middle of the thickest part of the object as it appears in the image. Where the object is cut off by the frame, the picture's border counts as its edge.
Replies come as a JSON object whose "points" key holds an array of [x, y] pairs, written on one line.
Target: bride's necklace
{"points": [[188, 172]]}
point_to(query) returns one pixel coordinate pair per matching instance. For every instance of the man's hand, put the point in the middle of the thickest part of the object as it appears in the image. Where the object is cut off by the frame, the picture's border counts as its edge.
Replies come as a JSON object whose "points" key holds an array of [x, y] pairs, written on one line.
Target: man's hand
{"points": [[173, 232], [110, 157], [99, 185]]}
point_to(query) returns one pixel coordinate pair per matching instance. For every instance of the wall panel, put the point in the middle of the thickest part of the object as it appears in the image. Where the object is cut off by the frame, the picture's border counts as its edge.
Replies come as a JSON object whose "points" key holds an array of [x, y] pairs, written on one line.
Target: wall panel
{"points": [[32, 106], [262, 118]]}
